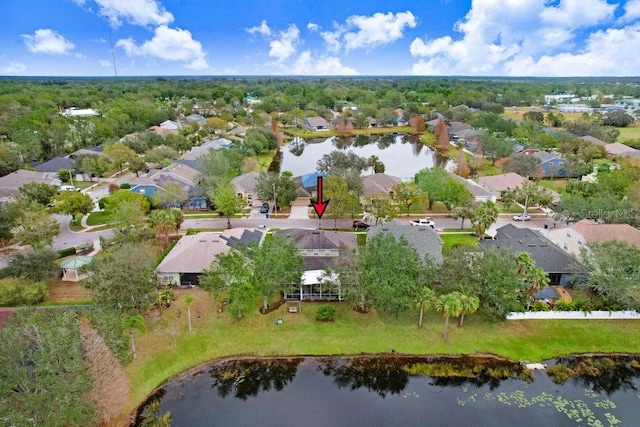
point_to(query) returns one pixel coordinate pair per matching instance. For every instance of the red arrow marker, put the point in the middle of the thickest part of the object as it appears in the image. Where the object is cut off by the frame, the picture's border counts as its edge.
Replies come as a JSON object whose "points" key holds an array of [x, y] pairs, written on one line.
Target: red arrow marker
{"points": [[318, 205]]}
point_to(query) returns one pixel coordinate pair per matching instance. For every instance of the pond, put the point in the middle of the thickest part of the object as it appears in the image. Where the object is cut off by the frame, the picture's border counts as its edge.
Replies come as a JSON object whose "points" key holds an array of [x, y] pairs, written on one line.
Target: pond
{"points": [[386, 391], [403, 155]]}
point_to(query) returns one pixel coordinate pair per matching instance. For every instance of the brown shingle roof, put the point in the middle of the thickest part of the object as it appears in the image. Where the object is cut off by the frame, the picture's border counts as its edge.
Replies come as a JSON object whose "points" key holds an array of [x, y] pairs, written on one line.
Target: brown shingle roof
{"points": [[617, 148], [379, 183], [503, 182], [193, 254], [600, 233]]}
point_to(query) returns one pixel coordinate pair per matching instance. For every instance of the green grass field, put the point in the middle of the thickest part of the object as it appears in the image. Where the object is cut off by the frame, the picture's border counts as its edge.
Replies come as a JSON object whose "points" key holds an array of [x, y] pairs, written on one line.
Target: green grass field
{"points": [[629, 133], [97, 218], [452, 240], [167, 348]]}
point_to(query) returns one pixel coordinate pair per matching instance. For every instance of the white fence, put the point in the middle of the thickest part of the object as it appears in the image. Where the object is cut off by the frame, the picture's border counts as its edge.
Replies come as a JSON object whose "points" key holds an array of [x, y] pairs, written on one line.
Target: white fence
{"points": [[541, 315]]}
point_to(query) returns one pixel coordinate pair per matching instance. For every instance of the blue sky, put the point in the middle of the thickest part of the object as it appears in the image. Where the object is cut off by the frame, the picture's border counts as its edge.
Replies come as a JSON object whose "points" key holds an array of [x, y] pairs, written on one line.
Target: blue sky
{"points": [[307, 37]]}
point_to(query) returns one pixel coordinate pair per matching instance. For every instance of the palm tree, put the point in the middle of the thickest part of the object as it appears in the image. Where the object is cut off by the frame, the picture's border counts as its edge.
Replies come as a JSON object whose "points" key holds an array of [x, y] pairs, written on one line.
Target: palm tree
{"points": [[188, 300], [483, 216], [163, 220], [426, 298], [450, 305], [534, 278], [134, 322], [469, 304]]}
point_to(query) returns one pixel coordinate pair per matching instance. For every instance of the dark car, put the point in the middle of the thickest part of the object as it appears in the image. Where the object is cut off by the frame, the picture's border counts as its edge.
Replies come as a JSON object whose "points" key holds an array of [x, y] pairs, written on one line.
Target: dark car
{"points": [[360, 224], [264, 208]]}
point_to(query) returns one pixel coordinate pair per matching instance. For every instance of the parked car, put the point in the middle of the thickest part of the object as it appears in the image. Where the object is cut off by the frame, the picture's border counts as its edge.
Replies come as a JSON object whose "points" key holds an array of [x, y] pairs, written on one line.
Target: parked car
{"points": [[69, 188], [264, 208], [360, 224], [522, 217], [424, 221]]}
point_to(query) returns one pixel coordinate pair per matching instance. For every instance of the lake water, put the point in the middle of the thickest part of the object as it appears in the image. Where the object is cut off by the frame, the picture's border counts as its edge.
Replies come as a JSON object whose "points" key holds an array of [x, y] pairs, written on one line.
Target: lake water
{"points": [[403, 155], [395, 391]]}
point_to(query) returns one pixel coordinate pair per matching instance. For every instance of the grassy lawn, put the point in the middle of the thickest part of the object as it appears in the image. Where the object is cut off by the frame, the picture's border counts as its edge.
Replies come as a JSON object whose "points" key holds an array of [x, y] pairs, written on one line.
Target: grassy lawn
{"points": [[451, 240], [167, 348], [303, 133], [75, 225], [629, 133], [556, 185], [97, 218]]}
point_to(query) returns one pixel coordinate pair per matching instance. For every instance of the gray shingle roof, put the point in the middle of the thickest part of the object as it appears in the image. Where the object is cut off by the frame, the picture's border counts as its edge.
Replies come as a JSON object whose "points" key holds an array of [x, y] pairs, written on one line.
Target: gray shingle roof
{"points": [[379, 183], [246, 182], [55, 164], [424, 239], [317, 239], [543, 251]]}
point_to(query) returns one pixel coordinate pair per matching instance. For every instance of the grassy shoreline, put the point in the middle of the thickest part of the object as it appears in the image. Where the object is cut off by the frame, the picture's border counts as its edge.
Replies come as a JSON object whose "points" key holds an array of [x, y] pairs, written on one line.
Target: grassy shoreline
{"points": [[168, 349]]}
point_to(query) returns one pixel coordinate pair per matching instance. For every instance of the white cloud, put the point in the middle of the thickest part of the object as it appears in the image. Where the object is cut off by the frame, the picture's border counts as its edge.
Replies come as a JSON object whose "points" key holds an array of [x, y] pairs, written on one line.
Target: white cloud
{"points": [[601, 56], [366, 32], [47, 41], [168, 44], [135, 12], [578, 13], [313, 27], [529, 37], [285, 46], [105, 63], [14, 68], [631, 10], [305, 64], [263, 29]]}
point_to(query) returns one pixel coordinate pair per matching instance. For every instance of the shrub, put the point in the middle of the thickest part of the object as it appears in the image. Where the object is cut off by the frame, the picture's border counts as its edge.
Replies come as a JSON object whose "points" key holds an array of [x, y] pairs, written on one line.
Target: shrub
{"points": [[36, 265], [582, 305], [66, 252], [113, 188], [559, 373], [125, 186], [540, 306], [564, 306], [14, 293], [326, 313]]}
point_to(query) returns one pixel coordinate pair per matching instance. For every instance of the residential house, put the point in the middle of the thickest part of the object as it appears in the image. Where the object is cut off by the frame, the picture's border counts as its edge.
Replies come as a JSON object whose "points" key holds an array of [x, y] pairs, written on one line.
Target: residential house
{"points": [[207, 145], [245, 185], [424, 239], [195, 118], [180, 174], [171, 125], [307, 186], [193, 254], [316, 123], [372, 122], [550, 165], [321, 250], [10, 184], [80, 112], [578, 236], [479, 193], [617, 149], [55, 164], [498, 184], [379, 184], [593, 140], [400, 120], [559, 266]]}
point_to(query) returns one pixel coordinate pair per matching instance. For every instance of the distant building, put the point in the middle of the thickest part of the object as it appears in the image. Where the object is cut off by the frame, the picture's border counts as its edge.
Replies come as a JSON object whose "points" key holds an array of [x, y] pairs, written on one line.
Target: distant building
{"points": [[80, 112], [549, 99], [316, 123]]}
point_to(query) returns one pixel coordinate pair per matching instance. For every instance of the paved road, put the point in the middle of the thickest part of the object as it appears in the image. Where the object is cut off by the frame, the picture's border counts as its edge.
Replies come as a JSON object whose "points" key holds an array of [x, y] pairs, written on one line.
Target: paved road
{"points": [[441, 222], [68, 238]]}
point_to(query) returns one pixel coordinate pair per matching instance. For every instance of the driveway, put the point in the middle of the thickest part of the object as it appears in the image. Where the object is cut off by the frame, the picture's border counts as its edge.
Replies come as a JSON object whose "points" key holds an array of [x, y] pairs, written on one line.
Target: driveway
{"points": [[299, 212]]}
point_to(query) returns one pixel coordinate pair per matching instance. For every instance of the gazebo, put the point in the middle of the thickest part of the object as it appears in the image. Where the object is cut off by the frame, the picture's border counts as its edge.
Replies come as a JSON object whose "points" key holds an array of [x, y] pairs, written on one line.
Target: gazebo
{"points": [[71, 266]]}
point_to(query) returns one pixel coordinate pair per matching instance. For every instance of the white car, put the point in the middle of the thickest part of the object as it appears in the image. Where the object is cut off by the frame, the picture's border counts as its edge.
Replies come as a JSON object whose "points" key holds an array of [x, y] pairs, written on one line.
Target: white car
{"points": [[424, 222], [522, 217]]}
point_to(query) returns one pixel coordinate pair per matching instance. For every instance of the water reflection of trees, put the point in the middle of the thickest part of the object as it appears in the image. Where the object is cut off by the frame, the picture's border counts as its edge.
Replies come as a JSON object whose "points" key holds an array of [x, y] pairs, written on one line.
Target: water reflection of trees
{"points": [[385, 375], [379, 374], [296, 147], [461, 372], [244, 378], [600, 374]]}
